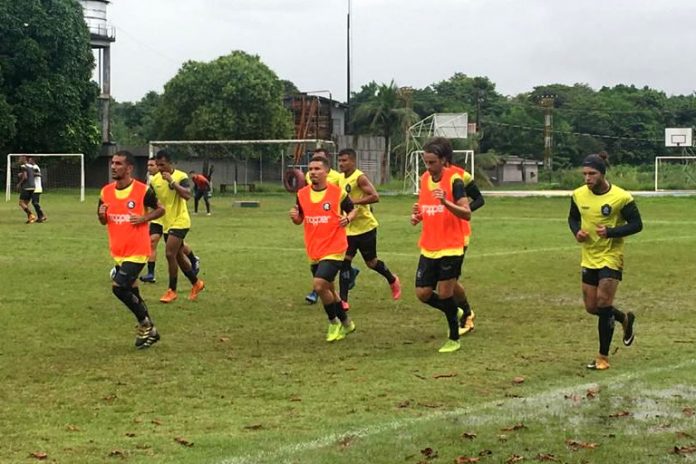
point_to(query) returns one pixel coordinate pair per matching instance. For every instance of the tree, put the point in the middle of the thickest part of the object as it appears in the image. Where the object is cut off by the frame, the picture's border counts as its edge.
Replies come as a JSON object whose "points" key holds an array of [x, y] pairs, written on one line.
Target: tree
{"points": [[233, 97], [387, 112], [47, 98], [134, 123]]}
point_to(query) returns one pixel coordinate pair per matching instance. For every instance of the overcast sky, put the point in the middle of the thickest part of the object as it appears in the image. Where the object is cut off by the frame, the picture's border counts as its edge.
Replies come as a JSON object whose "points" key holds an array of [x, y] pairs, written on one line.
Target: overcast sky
{"points": [[518, 44]]}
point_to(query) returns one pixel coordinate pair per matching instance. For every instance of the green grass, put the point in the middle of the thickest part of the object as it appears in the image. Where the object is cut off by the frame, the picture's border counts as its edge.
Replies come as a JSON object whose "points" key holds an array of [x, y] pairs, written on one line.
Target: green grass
{"points": [[244, 373]]}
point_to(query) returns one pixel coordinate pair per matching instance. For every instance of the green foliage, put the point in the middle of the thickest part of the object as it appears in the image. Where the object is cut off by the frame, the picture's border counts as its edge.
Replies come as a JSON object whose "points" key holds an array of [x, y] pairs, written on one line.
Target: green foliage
{"points": [[626, 121], [47, 99], [134, 123], [626, 176], [233, 97], [384, 110]]}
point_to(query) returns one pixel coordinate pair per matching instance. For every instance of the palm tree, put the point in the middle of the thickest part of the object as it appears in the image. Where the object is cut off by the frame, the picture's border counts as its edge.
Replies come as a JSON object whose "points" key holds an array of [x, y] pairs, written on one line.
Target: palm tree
{"points": [[388, 113]]}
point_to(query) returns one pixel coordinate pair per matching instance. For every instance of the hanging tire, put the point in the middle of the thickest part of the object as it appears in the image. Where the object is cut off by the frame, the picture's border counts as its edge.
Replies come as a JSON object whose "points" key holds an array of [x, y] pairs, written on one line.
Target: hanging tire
{"points": [[293, 180]]}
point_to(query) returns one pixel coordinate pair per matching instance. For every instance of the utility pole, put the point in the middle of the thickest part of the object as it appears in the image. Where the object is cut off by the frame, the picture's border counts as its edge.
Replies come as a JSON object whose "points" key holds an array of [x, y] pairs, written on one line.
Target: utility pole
{"points": [[478, 110], [348, 125], [547, 102]]}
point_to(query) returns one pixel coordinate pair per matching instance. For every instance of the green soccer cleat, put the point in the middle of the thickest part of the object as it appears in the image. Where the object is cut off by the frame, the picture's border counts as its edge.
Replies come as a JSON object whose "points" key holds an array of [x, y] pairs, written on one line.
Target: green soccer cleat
{"points": [[450, 346]]}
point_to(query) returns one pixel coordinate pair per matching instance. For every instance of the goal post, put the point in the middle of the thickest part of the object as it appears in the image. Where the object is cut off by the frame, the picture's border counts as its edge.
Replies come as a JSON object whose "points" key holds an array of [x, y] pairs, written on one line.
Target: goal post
{"points": [[9, 181], [675, 173]]}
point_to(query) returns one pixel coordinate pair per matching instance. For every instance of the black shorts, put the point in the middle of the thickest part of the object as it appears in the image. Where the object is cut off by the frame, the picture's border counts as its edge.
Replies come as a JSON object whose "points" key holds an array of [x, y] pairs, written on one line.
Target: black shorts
{"points": [[431, 271], [156, 229], [128, 273], [180, 233], [365, 243], [35, 197], [25, 195], [326, 269], [593, 276]]}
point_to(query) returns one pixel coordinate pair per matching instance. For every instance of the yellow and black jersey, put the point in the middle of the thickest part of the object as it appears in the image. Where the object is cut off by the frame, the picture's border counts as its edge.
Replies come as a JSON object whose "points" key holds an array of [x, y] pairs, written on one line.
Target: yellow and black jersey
{"points": [[364, 220], [176, 215], [617, 211]]}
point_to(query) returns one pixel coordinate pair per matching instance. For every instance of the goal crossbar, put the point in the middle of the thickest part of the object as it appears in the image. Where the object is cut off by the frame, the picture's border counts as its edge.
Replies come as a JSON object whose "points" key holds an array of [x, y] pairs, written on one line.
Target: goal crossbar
{"points": [[8, 181], [155, 143]]}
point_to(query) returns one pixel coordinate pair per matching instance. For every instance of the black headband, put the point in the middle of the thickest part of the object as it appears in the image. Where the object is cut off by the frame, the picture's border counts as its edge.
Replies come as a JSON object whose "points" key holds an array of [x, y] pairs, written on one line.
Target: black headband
{"points": [[595, 162]]}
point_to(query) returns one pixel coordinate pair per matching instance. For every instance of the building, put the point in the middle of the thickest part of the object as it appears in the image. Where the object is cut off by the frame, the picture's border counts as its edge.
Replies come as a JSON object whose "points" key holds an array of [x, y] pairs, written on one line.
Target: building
{"points": [[316, 117], [515, 169]]}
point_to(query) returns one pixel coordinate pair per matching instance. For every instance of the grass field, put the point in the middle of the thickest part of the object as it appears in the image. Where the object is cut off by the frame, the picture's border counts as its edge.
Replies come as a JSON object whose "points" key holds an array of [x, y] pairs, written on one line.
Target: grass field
{"points": [[244, 375]]}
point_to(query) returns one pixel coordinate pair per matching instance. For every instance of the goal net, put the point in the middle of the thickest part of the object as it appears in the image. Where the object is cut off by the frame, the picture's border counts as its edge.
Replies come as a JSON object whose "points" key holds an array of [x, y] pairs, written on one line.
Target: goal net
{"points": [[675, 173], [461, 158], [63, 172], [233, 165]]}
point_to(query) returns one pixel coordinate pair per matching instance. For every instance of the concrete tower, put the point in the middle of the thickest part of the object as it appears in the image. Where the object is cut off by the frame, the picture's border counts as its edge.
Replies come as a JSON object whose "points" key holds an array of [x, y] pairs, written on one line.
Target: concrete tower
{"points": [[101, 37]]}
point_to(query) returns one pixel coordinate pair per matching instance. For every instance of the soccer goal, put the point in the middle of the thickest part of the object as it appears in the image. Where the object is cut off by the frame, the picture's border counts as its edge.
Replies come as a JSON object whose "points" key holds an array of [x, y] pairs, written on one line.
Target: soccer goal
{"points": [[675, 173], [453, 126], [243, 164], [59, 171]]}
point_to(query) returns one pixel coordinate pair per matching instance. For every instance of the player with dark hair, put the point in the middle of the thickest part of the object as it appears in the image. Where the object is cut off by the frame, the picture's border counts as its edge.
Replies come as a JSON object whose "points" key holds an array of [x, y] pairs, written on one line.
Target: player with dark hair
{"points": [[475, 202], [123, 210], [26, 187], [172, 188], [38, 190], [601, 215], [441, 208], [362, 231], [156, 232], [201, 189], [334, 178], [325, 210]]}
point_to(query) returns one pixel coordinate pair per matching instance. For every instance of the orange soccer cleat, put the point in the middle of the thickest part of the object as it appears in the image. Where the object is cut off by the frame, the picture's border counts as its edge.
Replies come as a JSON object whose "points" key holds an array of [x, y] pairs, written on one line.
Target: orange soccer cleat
{"points": [[196, 289], [169, 296]]}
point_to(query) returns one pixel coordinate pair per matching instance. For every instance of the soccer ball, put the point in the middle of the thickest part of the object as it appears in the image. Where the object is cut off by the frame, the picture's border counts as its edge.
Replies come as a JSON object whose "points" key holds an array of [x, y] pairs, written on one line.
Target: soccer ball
{"points": [[112, 273]]}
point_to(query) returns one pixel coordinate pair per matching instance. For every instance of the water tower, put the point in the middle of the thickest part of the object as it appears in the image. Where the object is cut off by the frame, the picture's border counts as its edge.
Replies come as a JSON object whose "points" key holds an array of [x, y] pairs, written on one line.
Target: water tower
{"points": [[101, 37]]}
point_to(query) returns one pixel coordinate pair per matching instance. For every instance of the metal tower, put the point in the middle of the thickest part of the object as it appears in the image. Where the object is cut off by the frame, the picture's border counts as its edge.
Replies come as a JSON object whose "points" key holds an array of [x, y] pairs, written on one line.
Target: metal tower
{"points": [[101, 37]]}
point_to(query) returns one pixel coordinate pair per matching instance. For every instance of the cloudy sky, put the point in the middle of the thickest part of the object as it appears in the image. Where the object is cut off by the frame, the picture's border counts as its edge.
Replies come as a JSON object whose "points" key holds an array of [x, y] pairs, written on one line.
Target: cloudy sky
{"points": [[516, 43]]}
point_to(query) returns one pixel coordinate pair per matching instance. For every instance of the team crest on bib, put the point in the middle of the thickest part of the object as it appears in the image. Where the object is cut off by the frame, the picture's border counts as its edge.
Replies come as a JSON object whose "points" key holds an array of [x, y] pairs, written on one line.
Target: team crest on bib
{"points": [[131, 204], [348, 188], [606, 210], [326, 206]]}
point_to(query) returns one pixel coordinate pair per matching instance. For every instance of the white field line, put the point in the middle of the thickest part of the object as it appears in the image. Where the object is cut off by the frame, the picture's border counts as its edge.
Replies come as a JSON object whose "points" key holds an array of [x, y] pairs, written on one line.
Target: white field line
{"points": [[564, 221], [472, 415], [473, 254]]}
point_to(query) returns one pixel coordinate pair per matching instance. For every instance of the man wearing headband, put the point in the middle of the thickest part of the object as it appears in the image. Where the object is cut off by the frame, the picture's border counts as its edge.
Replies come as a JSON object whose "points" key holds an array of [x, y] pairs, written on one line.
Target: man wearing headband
{"points": [[601, 214]]}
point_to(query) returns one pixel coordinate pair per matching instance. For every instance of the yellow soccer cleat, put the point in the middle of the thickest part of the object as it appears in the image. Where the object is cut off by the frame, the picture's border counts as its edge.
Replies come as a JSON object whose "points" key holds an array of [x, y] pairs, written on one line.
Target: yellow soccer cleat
{"points": [[335, 332], [349, 329], [450, 346]]}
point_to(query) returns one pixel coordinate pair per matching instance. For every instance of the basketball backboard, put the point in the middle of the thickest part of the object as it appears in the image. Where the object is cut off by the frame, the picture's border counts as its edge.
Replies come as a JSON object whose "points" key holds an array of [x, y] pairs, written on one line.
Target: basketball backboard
{"points": [[678, 137], [451, 125]]}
